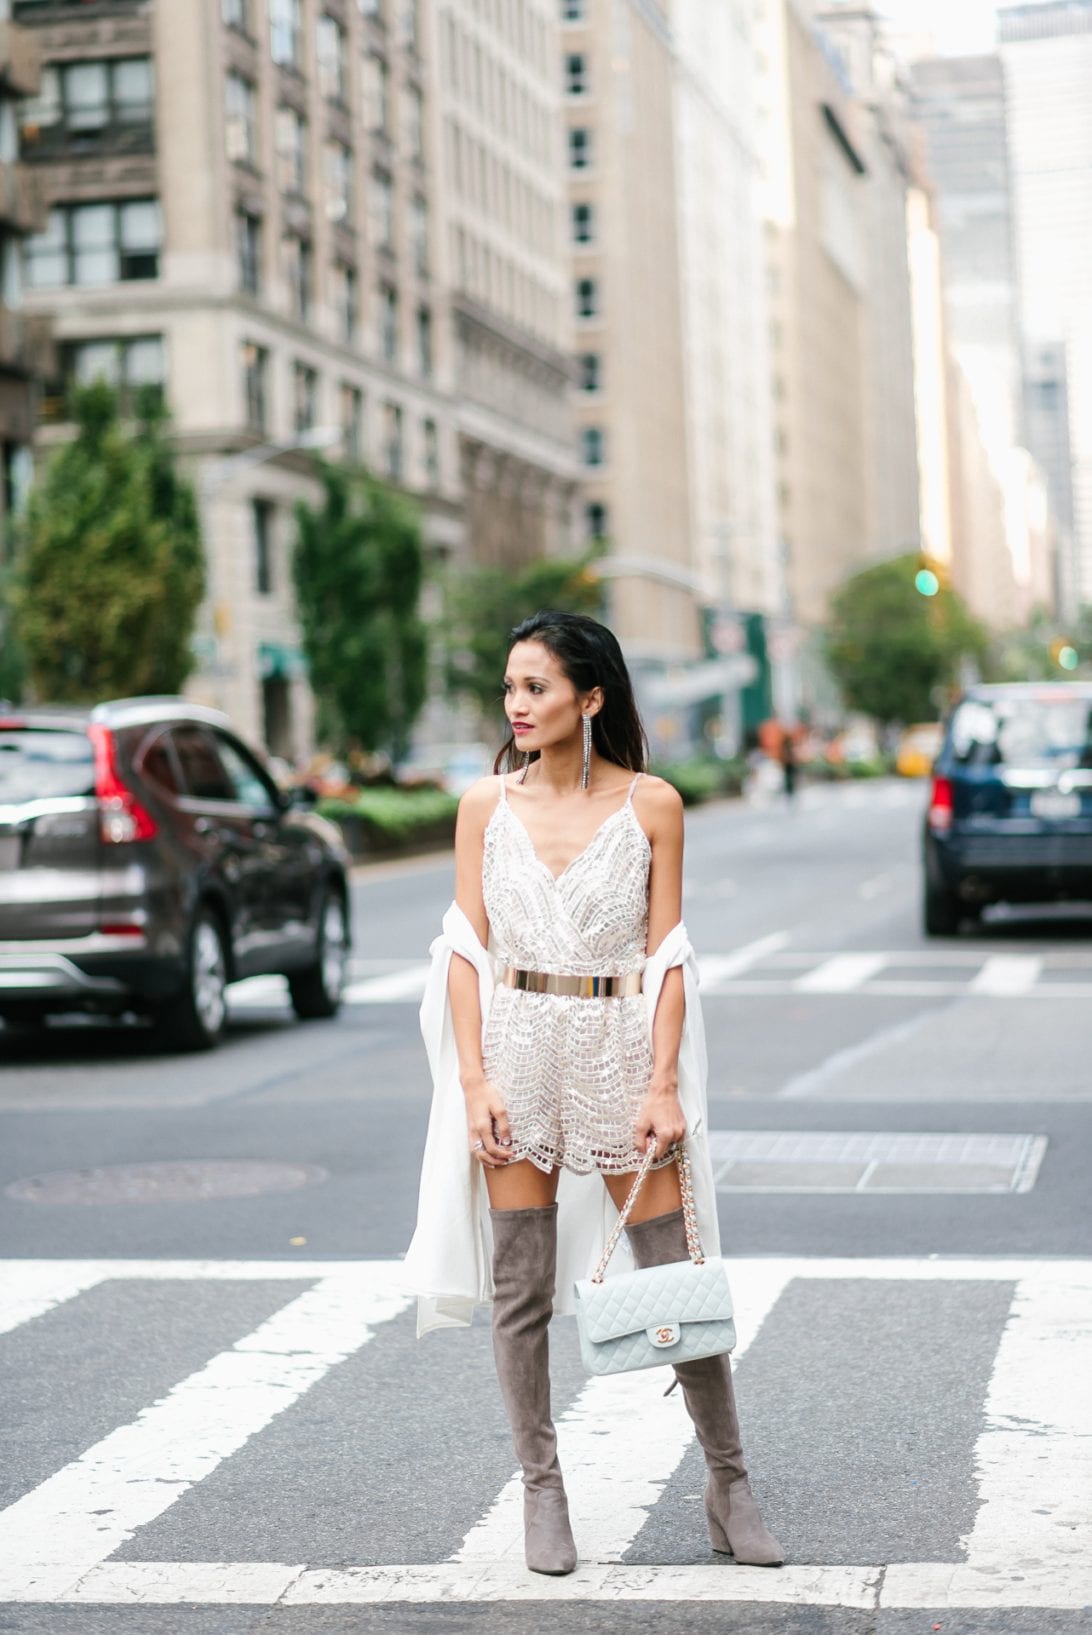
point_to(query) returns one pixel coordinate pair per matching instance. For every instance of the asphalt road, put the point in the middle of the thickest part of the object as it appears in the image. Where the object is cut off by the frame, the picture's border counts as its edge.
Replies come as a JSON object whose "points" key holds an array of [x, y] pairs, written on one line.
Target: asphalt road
{"points": [[902, 1134]]}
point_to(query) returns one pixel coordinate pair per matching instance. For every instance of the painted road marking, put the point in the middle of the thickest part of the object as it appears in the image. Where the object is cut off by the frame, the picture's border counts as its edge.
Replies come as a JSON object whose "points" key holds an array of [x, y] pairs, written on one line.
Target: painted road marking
{"points": [[844, 973], [715, 968], [1030, 1546], [1007, 974], [82, 1514]]}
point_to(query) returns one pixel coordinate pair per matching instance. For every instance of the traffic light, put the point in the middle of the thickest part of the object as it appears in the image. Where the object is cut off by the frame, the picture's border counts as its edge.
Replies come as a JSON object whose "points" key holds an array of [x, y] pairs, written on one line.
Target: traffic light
{"points": [[1064, 654], [931, 575]]}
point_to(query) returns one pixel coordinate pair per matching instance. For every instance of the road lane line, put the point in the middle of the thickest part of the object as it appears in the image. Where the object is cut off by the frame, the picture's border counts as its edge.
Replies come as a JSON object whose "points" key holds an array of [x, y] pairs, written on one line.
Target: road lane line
{"points": [[612, 1496], [29, 1288], [1031, 1543], [872, 888], [1007, 974], [397, 985], [716, 968], [842, 974], [82, 1514]]}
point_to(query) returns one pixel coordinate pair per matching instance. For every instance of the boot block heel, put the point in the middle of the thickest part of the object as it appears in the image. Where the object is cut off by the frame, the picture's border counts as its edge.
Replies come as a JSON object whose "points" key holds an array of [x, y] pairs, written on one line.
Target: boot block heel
{"points": [[736, 1525]]}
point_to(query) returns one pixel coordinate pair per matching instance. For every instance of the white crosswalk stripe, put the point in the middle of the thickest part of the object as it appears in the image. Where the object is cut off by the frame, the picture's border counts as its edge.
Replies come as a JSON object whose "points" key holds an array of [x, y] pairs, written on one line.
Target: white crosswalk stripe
{"points": [[1030, 1546], [769, 968]]}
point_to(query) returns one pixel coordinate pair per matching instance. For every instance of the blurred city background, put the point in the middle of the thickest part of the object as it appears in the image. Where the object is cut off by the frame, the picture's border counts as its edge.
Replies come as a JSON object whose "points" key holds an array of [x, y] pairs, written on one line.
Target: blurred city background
{"points": [[736, 323]]}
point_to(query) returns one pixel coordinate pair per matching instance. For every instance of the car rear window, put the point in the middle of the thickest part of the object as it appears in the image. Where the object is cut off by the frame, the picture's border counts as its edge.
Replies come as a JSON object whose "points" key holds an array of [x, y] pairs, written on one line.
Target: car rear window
{"points": [[1026, 732], [44, 764]]}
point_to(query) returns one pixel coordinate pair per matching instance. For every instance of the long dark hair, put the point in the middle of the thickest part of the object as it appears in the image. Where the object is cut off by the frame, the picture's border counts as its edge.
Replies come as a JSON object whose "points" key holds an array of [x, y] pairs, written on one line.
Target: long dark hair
{"points": [[590, 656]]}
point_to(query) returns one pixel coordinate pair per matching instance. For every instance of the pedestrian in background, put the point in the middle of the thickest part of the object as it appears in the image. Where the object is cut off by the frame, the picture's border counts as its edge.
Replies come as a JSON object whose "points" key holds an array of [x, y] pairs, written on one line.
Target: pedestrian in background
{"points": [[568, 867]]}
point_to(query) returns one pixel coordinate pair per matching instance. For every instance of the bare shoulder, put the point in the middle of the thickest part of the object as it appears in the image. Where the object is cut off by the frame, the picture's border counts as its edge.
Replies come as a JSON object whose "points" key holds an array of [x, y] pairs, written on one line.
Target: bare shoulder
{"points": [[659, 803], [477, 802]]}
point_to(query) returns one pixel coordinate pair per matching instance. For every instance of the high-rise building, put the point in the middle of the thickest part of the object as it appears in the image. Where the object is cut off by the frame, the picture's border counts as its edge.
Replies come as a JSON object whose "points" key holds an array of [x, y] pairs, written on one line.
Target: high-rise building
{"points": [[818, 269], [618, 80], [504, 265], [24, 341], [1046, 53], [959, 104], [285, 215]]}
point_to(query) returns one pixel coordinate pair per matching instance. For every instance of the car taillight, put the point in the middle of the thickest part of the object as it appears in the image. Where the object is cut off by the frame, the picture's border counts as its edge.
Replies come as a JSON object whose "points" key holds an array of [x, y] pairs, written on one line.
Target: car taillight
{"points": [[121, 816], [941, 804]]}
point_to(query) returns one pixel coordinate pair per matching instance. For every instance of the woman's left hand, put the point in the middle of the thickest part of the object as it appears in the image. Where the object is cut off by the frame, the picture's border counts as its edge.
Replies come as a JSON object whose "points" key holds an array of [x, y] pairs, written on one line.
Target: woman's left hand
{"points": [[661, 1115]]}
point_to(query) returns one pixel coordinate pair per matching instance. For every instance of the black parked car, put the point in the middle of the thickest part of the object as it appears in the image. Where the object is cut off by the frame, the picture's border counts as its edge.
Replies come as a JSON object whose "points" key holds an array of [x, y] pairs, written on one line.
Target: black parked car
{"points": [[147, 859], [1010, 814]]}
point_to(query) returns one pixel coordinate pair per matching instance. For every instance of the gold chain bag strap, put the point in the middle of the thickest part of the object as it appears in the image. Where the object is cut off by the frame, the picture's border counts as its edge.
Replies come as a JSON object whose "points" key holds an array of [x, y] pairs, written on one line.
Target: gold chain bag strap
{"points": [[673, 1313]]}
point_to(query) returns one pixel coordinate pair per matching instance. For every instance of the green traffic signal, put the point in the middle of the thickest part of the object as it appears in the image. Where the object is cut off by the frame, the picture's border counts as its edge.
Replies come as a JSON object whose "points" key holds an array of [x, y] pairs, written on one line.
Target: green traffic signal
{"points": [[926, 582]]}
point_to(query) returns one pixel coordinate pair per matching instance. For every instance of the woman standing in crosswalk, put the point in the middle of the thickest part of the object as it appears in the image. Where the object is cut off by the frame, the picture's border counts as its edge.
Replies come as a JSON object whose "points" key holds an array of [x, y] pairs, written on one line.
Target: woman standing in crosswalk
{"points": [[568, 868]]}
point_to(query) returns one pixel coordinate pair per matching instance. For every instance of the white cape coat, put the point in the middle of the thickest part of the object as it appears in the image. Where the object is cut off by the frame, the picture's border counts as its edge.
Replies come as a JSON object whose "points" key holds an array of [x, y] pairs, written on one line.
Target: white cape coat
{"points": [[449, 1262]]}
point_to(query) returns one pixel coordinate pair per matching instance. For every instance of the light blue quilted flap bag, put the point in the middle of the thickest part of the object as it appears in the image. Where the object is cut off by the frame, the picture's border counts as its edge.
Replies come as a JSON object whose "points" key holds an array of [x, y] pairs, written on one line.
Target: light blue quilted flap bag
{"points": [[660, 1314]]}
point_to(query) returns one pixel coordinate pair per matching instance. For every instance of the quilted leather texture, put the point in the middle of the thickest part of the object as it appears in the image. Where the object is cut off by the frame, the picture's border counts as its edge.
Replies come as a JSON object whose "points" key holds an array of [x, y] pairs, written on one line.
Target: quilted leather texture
{"points": [[614, 1318]]}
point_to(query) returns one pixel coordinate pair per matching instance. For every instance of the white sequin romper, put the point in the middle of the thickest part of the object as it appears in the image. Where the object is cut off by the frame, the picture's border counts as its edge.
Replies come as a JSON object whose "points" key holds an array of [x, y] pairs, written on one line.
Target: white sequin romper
{"points": [[572, 1071]]}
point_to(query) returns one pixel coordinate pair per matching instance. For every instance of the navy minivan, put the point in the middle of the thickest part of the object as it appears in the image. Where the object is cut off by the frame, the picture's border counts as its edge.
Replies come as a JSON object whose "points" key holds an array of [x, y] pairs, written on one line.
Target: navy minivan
{"points": [[1010, 812]]}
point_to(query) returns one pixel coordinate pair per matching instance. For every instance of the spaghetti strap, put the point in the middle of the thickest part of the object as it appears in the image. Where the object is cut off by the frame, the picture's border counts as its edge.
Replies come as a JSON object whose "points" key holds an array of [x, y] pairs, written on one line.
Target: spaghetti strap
{"points": [[503, 789], [633, 786]]}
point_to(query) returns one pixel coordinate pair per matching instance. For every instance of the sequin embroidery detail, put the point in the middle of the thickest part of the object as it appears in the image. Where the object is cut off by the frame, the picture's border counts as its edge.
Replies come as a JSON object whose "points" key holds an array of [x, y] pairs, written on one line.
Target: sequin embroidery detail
{"points": [[572, 1071]]}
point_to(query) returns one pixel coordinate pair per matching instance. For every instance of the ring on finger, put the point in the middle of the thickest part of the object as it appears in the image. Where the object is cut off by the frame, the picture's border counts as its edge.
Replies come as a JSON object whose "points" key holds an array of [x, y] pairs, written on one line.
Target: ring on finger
{"points": [[479, 1146]]}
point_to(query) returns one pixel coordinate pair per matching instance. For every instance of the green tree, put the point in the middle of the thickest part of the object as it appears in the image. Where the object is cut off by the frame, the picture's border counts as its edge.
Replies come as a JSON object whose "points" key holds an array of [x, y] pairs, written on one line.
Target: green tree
{"points": [[110, 571], [484, 604], [891, 649], [358, 568]]}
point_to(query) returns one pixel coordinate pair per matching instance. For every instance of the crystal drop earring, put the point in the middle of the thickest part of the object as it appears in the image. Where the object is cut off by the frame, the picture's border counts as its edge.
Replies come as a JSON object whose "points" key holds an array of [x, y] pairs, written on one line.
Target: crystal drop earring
{"points": [[586, 773]]}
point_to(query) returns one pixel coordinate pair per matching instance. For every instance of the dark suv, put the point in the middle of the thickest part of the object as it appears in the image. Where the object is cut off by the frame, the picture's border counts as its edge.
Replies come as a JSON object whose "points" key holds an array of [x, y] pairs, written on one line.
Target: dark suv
{"points": [[1010, 813], [147, 859]]}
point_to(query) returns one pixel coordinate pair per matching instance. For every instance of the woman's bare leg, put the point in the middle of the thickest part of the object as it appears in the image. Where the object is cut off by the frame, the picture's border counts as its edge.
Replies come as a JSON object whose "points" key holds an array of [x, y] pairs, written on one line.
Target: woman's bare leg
{"points": [[521, 1186], [659, 1194]]}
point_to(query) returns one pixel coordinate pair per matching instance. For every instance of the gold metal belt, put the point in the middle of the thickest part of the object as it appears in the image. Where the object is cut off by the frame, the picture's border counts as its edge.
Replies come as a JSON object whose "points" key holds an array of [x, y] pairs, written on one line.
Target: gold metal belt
{"points": [[580, 987]]}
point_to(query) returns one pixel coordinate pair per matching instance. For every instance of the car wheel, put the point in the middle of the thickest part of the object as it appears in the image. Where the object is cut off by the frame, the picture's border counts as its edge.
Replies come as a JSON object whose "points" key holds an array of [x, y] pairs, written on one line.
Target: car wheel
{"points": [[316, 990], [942, 912], [195, 1018]]}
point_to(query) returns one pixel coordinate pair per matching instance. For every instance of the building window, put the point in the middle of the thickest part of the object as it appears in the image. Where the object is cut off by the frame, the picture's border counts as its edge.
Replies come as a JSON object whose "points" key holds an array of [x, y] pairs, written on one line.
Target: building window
{"points": [[374, 8], [330, 53], [345, 293], [587, 298], [424, 342], [89, 107], [377, 94], [392, 441], [108, 242], [255, 386], [388, 323], [351, 402], [419, 231], [297, 275], [583, 220], [241, 102], [236, 14], [262, 515], [572, 11], [430, 438], [415, 123], [592, 445], [339, 183], [286, 32], [591, 372], [304, 398], [248, 240], [130, 364], [411, 23], [595, 520], [291, 149], [576, 74], [580, 147], [382, 209]]}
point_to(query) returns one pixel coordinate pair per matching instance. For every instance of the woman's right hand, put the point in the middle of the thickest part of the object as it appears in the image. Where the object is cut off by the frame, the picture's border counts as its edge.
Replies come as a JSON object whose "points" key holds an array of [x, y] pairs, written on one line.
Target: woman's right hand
{"points": [[488, 1134]]}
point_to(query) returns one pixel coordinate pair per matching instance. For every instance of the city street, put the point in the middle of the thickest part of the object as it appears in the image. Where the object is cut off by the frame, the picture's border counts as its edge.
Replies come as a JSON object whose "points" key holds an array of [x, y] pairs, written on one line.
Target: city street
{"points": [[215, 1418]]}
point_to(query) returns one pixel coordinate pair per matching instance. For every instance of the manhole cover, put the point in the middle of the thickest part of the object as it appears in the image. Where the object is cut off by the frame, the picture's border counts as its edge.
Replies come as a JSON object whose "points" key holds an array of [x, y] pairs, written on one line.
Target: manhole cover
{"points": [[188, 1181]]}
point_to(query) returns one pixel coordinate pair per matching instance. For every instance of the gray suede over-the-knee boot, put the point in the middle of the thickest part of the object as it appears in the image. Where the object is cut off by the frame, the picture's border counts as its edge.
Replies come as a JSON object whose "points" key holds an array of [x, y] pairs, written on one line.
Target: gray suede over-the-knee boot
{"points": [[524, 1270], [735, 1521]]}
